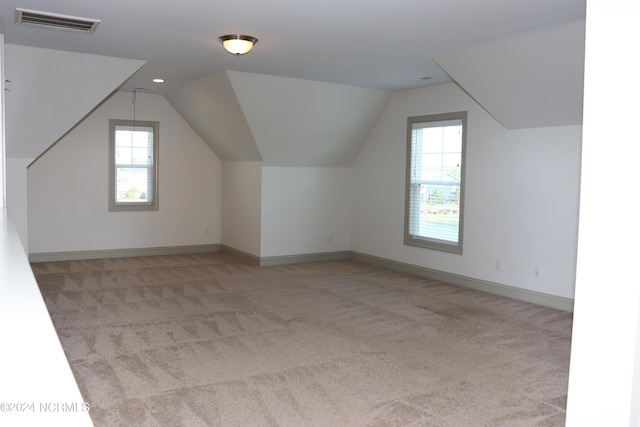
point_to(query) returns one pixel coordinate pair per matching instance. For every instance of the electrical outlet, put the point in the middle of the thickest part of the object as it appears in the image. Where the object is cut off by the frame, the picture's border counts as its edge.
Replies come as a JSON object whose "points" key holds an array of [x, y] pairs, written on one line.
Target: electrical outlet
{"points": [[536, 271], [498, 265]]}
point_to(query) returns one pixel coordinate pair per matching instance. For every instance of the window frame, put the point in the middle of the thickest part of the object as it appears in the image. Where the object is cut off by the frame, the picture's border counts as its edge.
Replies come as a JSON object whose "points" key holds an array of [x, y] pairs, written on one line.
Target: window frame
{"points": [[424, 241], [114, 206]]}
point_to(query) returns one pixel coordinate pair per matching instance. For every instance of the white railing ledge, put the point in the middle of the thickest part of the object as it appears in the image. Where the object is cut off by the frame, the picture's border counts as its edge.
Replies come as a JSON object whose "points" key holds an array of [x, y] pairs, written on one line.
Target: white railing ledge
{"points": [[37, 386]]}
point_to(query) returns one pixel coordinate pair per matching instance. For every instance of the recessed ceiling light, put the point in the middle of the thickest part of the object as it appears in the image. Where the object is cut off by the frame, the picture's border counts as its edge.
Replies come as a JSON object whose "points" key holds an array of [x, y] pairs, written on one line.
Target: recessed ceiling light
{"points": [[420, 79], [158, 80]]}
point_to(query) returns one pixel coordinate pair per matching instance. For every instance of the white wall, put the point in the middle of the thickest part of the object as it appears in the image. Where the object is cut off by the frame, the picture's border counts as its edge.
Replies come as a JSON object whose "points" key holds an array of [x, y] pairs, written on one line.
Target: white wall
{"points": [[35, 368], [604, 381], [52, 90], [305, 210], [242, 206], [521, 196], [16, 195], [68, 187], [49, 91], [2, 144]]}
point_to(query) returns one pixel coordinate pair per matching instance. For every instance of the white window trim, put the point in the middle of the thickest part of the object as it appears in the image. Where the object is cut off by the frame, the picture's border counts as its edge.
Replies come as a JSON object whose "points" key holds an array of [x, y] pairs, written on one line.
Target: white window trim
{"points": [[411, 239], [113, 205]]}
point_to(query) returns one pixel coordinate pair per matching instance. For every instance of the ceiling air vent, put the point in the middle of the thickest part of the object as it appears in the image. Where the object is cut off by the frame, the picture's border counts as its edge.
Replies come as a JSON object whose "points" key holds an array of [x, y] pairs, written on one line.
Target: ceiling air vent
{"points": [[55, 21]]}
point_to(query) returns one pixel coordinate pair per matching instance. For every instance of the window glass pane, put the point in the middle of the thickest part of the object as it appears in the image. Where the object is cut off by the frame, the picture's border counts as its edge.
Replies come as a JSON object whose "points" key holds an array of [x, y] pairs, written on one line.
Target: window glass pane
{"points": [[439, 215], [452, 139], [132, 185], [431, 140], [140, 156], [133, 165], [123, 156], [434, 196]]}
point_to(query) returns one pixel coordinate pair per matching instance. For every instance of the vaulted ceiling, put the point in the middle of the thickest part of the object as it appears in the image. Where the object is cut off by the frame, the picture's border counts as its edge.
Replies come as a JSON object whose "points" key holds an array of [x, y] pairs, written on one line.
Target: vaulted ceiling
{"points": [[530, 80], [280, 121], [318, 77]]}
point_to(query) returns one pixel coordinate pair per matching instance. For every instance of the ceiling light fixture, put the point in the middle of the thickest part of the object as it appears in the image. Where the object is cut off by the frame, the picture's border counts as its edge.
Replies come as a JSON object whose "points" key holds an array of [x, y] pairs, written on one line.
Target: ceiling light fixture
{"points": [[158, 80], [237, 44]]}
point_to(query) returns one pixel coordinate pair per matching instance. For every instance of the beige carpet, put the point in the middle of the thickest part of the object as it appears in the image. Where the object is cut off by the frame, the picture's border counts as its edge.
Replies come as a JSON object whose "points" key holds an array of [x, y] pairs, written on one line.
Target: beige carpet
{"points": [[205, 340]]}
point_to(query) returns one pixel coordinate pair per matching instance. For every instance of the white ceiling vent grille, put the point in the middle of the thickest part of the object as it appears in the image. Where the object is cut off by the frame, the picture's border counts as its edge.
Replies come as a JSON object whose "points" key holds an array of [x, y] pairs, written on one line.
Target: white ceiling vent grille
{"points": [[55, 21]]}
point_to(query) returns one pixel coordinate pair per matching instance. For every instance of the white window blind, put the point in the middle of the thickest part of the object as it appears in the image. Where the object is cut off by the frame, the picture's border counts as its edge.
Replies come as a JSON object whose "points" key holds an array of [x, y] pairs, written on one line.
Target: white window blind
{"points": [[134, 164]]}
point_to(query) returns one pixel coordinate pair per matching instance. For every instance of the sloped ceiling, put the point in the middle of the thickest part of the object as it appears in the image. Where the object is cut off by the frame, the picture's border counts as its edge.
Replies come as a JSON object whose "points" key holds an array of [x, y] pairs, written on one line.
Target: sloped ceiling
{"points": [[531, 80], [281, 121], [381, 44], [306, 123], [212, 109], [526, 81], [520, 59], [50, 91]]}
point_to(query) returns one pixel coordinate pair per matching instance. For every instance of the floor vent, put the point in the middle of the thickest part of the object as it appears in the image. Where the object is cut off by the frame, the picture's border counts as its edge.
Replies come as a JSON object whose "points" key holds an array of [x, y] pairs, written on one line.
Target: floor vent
{"points": [[55, 21]]}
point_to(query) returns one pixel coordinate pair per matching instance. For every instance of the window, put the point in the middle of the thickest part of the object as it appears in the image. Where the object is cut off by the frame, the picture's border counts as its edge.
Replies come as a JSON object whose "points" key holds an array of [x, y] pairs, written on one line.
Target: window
{"points": [[435, 181], [133, 165]]}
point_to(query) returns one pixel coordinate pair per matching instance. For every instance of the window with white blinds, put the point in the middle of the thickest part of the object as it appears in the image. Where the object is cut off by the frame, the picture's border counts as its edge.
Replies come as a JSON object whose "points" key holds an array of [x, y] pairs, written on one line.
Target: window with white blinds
{"points": [[133, 165], [435, 181]]}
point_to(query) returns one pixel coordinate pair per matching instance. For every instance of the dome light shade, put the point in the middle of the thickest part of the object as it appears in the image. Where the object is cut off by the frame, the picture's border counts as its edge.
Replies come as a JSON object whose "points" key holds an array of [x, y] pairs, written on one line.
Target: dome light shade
{"points": [[237, 44]]}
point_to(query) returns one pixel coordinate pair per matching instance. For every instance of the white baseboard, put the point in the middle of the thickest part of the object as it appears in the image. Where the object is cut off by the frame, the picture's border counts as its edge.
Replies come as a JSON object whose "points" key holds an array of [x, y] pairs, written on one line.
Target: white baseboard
{"points": [[121, 253]]}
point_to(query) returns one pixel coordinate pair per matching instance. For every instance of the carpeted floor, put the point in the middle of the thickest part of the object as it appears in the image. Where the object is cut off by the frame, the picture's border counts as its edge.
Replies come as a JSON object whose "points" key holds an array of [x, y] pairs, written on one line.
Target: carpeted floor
{"points": [[205, 340]]}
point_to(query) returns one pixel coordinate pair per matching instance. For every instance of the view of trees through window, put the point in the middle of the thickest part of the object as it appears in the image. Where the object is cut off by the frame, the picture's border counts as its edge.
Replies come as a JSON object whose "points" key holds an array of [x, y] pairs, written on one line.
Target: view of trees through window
{"points": [[435, 181]]}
